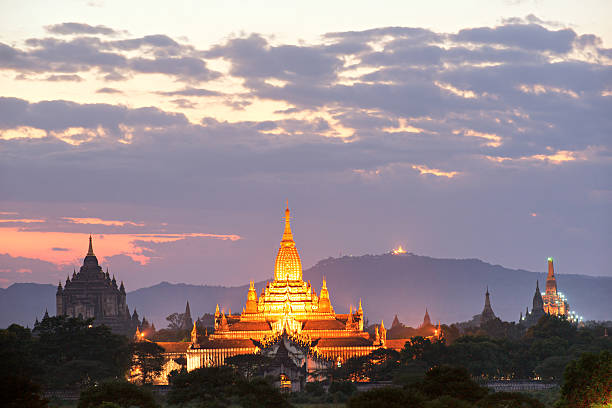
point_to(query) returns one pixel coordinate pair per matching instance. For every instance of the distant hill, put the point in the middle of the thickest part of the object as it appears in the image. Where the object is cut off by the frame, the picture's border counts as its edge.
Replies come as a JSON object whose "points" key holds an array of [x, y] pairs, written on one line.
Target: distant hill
{"points": [[452, 290], [21, 303]]}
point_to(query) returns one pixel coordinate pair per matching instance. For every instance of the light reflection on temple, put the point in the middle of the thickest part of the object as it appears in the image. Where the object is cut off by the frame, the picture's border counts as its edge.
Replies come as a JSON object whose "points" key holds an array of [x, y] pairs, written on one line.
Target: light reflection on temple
{"points": [[288, 314]]}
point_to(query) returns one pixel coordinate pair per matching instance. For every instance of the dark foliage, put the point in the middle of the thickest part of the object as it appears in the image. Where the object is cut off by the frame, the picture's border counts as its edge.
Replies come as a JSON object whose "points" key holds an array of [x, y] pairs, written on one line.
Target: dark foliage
{"points": [[509, 400], [388, 397], [63, 352], [248, 365], [260, 393], [452, 381], [121, 393], [170, 335], [147, 361], [18, 392], [222, 386], [543, 352], [588, 381]]}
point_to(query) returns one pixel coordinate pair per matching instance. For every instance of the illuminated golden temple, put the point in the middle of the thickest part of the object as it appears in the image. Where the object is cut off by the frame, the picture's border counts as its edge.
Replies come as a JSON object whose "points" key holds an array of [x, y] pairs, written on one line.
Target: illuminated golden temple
{"points": [[287, 305], [554, 302]]}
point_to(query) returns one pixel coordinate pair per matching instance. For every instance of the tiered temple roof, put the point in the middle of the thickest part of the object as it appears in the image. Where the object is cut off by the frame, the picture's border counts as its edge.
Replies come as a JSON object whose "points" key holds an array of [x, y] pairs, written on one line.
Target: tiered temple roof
{"points": [[289, 305], [92, 293]]}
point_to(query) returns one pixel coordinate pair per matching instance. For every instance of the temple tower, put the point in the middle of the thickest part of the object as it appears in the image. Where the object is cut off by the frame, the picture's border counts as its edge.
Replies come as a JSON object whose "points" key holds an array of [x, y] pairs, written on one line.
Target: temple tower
{"points": [[487, 313], [538, 303], [551, 281], [554, 302], [426, 320], [288, 266], [91, 293], [251, 303], [324, 302]]}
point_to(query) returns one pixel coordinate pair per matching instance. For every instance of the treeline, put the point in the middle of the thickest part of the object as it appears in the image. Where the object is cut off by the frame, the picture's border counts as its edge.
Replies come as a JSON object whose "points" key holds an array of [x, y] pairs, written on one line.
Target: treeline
{"points": [[542, 352], [70, 354], [61, 353]]}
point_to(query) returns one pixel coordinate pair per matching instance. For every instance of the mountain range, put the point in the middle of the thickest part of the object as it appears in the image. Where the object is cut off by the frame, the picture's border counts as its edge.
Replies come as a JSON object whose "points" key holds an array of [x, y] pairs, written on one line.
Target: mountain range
{"points": [[404, 285]]}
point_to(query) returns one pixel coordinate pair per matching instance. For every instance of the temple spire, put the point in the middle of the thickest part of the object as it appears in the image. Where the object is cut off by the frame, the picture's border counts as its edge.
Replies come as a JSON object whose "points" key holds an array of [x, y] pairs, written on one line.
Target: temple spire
{"points": [[551, 281], [487, 312], [90, 252], [426, 319], [287, 234]]}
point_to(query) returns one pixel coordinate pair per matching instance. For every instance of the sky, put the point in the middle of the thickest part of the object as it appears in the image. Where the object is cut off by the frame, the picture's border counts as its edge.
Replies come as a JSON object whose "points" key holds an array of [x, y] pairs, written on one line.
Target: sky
{"points": [[174, 133]]}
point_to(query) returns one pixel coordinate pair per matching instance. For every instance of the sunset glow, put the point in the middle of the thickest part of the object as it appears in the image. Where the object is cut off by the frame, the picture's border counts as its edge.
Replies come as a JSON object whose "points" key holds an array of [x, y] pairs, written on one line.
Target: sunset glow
{"points": [[172, 135]]}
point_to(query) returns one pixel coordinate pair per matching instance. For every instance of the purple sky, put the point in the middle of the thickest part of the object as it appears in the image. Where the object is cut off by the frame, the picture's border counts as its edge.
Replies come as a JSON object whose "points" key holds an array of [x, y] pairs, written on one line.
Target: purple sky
{"points": [[488, 142]]}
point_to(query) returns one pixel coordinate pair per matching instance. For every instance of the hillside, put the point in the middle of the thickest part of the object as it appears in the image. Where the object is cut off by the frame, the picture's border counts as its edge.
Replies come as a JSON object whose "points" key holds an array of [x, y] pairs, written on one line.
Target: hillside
{"points": [[452, 290]]}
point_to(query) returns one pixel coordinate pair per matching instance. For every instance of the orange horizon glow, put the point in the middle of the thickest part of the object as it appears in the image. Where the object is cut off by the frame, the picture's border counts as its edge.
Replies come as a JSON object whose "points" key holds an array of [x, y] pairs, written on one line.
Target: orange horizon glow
{"points": [[69, 247], [99, 221]]}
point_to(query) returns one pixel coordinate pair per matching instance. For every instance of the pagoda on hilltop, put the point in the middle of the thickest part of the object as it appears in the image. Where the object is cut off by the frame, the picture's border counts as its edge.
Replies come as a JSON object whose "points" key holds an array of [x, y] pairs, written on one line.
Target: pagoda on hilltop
{"points": [[289, 309], [550, 302], [92, 293], [554, 302]]}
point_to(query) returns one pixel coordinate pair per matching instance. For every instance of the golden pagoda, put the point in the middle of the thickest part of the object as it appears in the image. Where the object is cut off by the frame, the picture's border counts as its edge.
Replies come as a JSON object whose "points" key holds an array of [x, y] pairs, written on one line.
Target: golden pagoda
{"points": [[286, 305], [554, 302]]}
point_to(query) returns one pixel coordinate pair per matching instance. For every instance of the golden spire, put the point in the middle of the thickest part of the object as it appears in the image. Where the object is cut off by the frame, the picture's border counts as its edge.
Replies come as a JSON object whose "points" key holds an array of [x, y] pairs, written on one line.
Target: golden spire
{"points": [[288, 266], [324, 291], [194, 334], [287, 240], [90, 252], [360, 310]]}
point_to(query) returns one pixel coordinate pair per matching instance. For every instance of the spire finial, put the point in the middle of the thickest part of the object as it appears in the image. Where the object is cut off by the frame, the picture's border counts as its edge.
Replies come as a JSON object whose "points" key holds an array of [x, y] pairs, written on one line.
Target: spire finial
{"points": [[287, 234], [90, 252]]}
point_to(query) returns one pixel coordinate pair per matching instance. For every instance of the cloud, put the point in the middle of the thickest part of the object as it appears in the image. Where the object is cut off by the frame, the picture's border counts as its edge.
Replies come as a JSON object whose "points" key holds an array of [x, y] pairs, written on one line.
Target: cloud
{"points": [[253, 57], [60, 249], [422, 169], [397, 122], [156, 54], [63, 78], [109, 91], [526, 36], [184, 103], [79, 28], [191, 92], [63, 115]]}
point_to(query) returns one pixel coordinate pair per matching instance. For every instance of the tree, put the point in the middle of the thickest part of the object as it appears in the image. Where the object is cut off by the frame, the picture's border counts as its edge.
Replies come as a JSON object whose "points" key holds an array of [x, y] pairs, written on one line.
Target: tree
{"points": [[452, 381], [509, 400], [221, 387], [248, 365], [121, 393], [388, 397], [175, 321], [481, 356], [17, 356], [420, 348], [552, 368], [212, 385], [552, 326], [447, 402], [260, 393], [588, 381], [18, 392], [147, 361], [73, 352]]}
